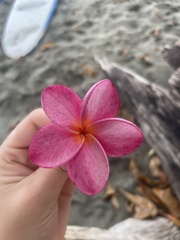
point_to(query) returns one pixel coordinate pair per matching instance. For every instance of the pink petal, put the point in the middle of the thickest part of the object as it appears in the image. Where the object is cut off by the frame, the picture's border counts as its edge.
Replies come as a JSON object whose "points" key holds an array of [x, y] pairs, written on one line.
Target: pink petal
{"points": [[53, 146], [62, 105], [101, 101], [117, 136], [89, 170]]}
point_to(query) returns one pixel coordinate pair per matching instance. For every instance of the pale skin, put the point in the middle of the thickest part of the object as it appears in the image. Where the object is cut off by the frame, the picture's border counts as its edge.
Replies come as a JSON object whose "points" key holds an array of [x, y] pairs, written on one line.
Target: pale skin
{"points": [[34, 202]]}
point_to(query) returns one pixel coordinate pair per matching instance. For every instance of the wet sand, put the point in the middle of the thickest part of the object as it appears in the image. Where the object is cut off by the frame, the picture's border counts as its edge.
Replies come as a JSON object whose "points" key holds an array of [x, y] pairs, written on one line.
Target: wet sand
{"points": [[128, 32]]}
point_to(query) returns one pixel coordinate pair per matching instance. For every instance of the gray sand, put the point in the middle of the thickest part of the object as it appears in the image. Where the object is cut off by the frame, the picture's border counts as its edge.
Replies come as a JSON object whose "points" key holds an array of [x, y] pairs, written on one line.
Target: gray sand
{"points": [[128, 32]]}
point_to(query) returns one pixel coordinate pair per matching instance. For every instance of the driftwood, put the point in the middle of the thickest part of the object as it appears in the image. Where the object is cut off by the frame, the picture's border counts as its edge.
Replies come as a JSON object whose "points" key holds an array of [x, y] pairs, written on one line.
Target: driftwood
{"points": [[171, 55], [130, 229], [157, 111]]}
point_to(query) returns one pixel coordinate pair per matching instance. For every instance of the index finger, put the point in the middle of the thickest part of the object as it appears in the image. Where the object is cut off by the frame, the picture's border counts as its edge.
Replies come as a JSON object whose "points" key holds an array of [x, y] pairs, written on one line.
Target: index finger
{"points": [[22, 135]]}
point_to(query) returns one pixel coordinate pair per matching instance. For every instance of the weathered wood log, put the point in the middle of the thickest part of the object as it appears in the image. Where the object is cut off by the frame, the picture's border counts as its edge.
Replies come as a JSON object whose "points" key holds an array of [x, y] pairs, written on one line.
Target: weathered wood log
{"points": [[130, 229], [157, 110], [171, 55]]}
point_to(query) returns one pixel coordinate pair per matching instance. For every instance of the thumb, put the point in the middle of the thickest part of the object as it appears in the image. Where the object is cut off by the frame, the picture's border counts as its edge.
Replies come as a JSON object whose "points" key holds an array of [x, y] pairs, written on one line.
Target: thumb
{"points": [[42, 183]]}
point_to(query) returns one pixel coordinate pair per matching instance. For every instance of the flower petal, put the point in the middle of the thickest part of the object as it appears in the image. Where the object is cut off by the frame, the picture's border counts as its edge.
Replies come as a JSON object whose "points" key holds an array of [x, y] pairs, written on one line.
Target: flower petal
{"points": [[117, 136], [53, 146], [62, 105], [89, 170], [101, 101]]}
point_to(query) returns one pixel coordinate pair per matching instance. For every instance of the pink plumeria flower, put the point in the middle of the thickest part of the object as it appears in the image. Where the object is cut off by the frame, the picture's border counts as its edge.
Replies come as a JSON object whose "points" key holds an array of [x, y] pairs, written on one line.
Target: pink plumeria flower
{"points": [[83, 133]]}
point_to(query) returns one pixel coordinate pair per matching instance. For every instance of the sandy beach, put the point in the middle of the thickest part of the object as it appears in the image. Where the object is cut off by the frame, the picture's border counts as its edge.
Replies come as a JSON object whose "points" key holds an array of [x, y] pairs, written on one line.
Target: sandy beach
{"points": [[130, 33]]}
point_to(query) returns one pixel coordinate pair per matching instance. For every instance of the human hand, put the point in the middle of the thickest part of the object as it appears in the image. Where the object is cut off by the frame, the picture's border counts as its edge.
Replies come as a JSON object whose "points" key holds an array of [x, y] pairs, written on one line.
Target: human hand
{"points": [[34, 202]]}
